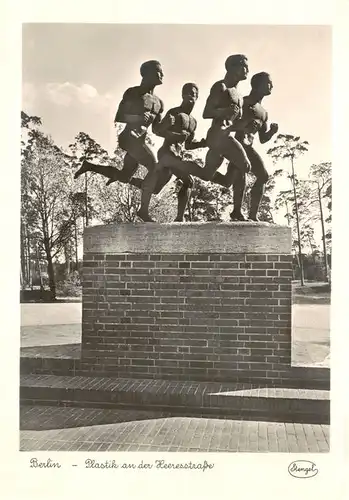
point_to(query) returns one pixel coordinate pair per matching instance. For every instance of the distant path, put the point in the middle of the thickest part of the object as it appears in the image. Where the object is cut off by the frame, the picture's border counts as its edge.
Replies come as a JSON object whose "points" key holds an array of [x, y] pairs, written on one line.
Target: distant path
{"points": [[51, 314], [311, 334], [50, 324], [311, 321]]}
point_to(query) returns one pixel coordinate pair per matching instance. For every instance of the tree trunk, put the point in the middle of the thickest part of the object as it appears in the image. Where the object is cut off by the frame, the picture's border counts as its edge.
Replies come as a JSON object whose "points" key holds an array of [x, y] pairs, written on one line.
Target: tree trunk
{"points": [[86, 201], [297, 223], [67, 264], [29, 276], [23, 258], [287, 213], [297, 259], [39, 268], [323, 235], [312, 249], [76, 244], [50, 269], [67, 259]]}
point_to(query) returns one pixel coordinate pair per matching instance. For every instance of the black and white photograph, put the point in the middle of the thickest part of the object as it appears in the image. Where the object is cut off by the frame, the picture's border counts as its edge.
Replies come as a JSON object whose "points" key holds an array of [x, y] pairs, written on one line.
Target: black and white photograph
{"points": [[175, 238], [174, 279]]}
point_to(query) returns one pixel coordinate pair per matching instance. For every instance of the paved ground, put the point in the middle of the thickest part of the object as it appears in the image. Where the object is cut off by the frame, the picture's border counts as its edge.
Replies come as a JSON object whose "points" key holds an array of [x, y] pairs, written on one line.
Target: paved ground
{"points": [[81, 429], [50, 314], [50, 324], [311, 334], [60, 324]]}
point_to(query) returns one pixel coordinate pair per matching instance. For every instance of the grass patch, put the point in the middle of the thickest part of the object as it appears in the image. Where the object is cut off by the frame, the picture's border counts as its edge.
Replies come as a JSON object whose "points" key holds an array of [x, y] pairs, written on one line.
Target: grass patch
{"points": [[313, 292]]}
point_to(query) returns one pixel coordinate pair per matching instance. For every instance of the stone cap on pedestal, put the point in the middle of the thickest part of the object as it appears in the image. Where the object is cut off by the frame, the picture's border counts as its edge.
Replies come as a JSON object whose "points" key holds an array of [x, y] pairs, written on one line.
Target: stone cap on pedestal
{"points": [[188, 237]]}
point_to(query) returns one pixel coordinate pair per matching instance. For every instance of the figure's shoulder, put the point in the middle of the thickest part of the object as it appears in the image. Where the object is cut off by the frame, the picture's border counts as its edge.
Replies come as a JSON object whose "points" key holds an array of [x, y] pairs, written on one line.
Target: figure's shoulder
{"points": [[247, 103], [256, 107], [218, 86], [131, 92], [173, 111]]}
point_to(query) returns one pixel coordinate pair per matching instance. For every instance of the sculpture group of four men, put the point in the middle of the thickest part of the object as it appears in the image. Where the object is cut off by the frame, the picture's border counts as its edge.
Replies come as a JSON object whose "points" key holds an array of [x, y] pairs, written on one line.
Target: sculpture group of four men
{"points": [[235, 121]]}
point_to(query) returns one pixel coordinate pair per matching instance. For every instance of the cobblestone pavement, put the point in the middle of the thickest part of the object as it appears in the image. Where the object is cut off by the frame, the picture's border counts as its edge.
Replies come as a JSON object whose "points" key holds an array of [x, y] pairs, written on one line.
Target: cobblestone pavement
{"points": [[81, 429]]}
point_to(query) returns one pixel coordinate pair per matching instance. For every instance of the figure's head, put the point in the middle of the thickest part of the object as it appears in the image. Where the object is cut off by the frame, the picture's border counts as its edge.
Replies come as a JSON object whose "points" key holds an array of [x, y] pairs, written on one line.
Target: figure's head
{"points": [[237, 66], [190, 93], [152, 73], [261, 83]]}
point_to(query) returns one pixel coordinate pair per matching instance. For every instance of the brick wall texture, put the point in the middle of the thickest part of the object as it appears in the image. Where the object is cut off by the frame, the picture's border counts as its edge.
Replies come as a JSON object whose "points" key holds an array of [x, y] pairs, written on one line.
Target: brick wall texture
{"points": [[212, 317]]}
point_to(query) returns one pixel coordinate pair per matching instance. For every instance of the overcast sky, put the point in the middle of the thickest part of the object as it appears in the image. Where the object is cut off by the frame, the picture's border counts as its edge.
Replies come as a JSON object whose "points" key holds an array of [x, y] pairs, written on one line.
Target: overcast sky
{"points": [[74, 75]]}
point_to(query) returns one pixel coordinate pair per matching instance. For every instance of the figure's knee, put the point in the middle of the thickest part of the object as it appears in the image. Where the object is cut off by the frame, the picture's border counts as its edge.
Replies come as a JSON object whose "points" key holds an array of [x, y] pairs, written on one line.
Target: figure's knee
{"points": [[124, 175], [222, 180], [261, 179], [161, 183], [234, 175], [149, 163], [208, 172], [239, 158], [142, 155], [213, 161], [239, 179]]}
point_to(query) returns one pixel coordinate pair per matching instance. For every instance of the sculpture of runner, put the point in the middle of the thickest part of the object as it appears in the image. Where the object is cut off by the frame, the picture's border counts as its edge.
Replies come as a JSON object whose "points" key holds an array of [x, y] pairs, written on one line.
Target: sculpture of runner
{"points": [[139, 109], [178, 129], [254, 120], [224, 107]]}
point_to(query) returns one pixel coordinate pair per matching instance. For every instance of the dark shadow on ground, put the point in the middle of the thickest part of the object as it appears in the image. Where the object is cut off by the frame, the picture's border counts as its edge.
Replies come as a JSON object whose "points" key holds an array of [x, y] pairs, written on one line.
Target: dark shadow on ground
{"points": [[311, 293], [311, 299], [41, 418], [64, 351], [32, 356], [44, 297], [49, 418]]}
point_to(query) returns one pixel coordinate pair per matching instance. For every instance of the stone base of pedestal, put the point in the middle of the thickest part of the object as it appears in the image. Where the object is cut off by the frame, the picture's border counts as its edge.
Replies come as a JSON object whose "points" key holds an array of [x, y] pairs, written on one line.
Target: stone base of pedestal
{"points": [[201, 302]]}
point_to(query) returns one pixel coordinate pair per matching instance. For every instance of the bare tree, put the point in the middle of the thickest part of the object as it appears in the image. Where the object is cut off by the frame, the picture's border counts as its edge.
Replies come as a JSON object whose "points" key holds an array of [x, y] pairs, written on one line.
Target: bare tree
{"points": [[321, 176], [45, 205], [290, 147]]}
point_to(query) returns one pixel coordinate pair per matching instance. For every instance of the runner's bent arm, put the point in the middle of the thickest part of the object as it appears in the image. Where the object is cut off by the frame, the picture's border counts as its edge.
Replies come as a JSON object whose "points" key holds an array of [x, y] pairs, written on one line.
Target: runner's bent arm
{"points": [[190, 143], [157, 123], [264, 134], [123, 115], [164, 129], [213, 107]]}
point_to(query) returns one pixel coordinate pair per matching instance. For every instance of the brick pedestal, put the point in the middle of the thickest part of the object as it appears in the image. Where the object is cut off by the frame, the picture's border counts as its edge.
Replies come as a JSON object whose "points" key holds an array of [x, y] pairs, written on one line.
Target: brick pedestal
{"points": [[199, 301]]}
